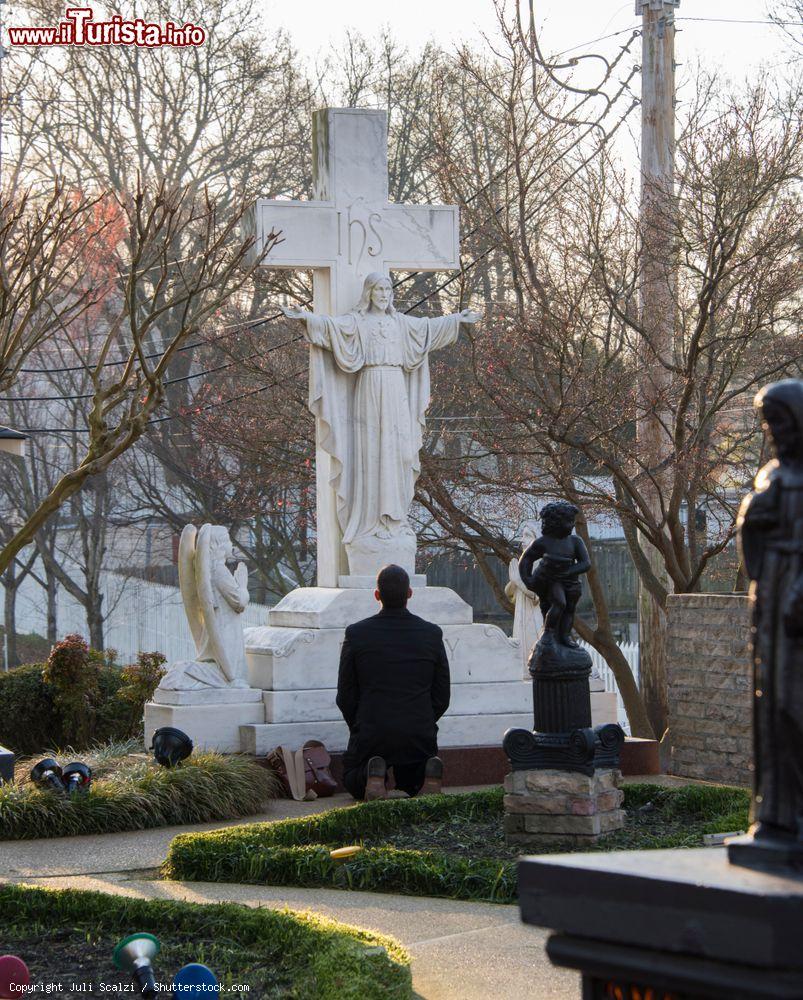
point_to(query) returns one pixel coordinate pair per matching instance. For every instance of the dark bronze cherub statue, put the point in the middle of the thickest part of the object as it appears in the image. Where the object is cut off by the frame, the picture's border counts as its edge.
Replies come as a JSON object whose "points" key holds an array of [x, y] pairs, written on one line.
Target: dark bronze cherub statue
{"points": [[770, 527], [562, 737], [556, 579]]}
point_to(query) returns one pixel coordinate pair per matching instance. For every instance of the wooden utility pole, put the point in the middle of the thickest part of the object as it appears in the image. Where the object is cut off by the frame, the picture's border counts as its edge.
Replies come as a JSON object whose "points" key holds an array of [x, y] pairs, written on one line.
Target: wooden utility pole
{"points": [[657, 308]]}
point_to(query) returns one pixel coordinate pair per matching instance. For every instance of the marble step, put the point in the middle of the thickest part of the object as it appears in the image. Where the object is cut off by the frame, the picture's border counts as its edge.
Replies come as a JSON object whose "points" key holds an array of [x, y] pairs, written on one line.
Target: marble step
{"points": [[286, 659], [210, 727], [454, 731], [332, 607], [466, 699]]}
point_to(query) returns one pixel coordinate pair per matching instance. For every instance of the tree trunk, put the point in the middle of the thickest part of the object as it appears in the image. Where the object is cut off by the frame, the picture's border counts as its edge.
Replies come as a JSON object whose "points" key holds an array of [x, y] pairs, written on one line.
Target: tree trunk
{"points": [[52, 607], [652, 661], [601, 637], [10, 618], [94, 620]]}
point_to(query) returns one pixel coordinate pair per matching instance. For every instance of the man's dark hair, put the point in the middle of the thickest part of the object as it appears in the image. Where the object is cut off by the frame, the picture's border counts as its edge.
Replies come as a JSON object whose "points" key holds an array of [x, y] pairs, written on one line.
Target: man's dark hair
{"points": [[393, 585]]}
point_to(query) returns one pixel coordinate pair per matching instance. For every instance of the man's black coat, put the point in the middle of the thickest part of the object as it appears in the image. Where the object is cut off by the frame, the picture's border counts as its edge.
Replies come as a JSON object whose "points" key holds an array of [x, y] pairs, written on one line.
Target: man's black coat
{"points": [[392, 687]]}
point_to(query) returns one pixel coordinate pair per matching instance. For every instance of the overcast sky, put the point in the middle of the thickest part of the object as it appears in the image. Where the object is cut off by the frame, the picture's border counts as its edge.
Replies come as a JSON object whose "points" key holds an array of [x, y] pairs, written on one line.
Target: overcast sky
{"points": [[737, 48]]}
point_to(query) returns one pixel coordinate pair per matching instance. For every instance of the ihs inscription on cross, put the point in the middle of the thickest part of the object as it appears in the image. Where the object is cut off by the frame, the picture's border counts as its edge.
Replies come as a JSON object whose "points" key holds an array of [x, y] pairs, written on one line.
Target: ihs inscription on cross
{"points": [[349, 230]]}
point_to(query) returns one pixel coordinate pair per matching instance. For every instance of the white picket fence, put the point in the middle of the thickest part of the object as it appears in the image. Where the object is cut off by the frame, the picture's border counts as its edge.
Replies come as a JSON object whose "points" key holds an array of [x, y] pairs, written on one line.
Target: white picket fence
{"points": [[630, 652], [142, 616]]}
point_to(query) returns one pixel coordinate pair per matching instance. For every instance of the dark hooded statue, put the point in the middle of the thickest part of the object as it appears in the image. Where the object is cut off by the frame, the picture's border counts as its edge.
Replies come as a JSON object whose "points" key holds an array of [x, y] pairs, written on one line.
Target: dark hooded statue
{"points": [[770, 529]]}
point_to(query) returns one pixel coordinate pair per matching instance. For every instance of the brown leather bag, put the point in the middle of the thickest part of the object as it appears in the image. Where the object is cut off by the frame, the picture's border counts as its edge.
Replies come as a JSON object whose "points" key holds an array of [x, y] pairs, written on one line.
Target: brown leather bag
{"points": [[317, 776], [276, 761], [316, 769]]}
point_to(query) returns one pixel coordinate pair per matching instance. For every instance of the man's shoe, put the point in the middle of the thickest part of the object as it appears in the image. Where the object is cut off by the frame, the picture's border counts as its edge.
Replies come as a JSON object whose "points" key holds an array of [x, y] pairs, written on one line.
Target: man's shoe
{"points": [[433, 777], [375, 785]]}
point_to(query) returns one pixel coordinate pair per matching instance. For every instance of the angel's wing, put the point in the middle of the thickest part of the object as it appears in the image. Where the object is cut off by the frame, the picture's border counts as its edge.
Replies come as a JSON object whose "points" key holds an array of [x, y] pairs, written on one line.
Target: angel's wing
{"points": [[203, 571], [186, 580], [214, 642]]}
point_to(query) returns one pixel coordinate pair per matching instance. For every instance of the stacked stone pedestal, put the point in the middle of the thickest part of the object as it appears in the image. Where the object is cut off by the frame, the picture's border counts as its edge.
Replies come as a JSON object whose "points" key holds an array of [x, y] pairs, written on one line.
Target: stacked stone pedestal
{"points": [[564, 787], [548, 808]]}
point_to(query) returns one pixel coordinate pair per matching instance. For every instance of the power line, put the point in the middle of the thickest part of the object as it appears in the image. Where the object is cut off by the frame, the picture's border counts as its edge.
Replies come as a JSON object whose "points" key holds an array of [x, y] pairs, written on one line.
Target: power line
{"points": [[169, 381], [602, 38], [248, 325], [170, 416], [735, 20]]}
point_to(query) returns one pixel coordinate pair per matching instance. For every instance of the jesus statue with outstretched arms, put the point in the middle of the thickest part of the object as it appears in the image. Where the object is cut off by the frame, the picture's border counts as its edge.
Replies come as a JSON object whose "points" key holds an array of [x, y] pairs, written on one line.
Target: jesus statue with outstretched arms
{"points": [[369, 389]]}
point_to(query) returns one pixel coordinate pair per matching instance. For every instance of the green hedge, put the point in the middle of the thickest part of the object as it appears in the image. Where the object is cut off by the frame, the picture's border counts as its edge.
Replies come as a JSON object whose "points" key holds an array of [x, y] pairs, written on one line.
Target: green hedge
{"points": [[204, 788], [30, 720], [316, 958], [296, 851], [292, 852]]}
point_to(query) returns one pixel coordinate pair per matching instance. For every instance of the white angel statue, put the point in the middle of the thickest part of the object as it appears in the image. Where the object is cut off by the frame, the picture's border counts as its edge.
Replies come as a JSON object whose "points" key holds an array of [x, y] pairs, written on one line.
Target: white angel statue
{"points": [[527, 618], [214, 599]]}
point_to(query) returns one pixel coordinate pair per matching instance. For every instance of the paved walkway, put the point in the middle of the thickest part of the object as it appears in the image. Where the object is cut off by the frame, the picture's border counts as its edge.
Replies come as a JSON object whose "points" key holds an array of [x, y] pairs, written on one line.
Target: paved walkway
{"points": [[461, 950]]}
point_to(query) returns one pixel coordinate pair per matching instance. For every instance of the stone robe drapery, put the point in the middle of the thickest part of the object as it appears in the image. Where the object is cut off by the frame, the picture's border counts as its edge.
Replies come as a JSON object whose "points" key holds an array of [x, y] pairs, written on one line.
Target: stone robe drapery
{"points": [[771, 535], [369, 389]]}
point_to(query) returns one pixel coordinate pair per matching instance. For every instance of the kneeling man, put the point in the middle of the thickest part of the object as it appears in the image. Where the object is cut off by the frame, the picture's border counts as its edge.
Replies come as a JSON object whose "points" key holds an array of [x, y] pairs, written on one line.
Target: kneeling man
{"points": [[392, 688]]}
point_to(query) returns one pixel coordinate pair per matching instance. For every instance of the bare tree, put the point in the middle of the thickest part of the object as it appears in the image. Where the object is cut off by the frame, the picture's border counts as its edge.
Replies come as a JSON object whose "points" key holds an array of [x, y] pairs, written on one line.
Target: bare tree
{"points": [[145, 324], [788, 15], [556, 368], [42, 288]]}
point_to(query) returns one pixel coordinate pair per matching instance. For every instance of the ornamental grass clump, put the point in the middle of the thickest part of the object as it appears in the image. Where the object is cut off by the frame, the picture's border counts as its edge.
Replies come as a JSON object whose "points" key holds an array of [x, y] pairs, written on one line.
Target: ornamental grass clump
{"points": [[139, 795]]}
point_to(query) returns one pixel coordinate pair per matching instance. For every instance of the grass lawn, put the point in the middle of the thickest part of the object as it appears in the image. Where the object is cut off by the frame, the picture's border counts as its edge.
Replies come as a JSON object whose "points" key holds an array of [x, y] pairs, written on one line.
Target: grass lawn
{"points": [[130, 791], [656, 817], [67, 937], [441, 845]]}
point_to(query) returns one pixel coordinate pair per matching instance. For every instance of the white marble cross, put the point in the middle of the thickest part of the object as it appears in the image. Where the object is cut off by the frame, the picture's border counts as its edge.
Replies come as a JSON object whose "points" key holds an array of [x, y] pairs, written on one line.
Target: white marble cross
{"points": [[350, 230]]}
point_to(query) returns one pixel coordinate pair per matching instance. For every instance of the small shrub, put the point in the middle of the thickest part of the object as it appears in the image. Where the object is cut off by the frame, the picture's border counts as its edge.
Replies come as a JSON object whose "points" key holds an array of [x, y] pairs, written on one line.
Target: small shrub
{"points": [[140, 680], [28, 721], [41, 711], [73, 675]]}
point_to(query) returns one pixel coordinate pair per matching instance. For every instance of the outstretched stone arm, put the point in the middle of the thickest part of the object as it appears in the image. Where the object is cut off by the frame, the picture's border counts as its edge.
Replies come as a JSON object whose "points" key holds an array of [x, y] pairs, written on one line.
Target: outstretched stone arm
{"points": [[337, 334], [314, 326], [293, 313], [445, 330]]}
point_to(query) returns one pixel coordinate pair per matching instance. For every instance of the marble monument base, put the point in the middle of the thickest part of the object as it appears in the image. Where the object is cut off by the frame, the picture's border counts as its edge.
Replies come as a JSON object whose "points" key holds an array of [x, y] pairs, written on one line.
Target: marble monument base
{"points": [[211, 717], [294, 661]]}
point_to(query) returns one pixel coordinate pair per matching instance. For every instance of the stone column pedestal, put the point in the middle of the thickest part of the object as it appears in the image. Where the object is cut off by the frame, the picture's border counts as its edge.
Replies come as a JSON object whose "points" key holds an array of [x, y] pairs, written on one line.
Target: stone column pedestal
{"points": [[547, 808]]}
